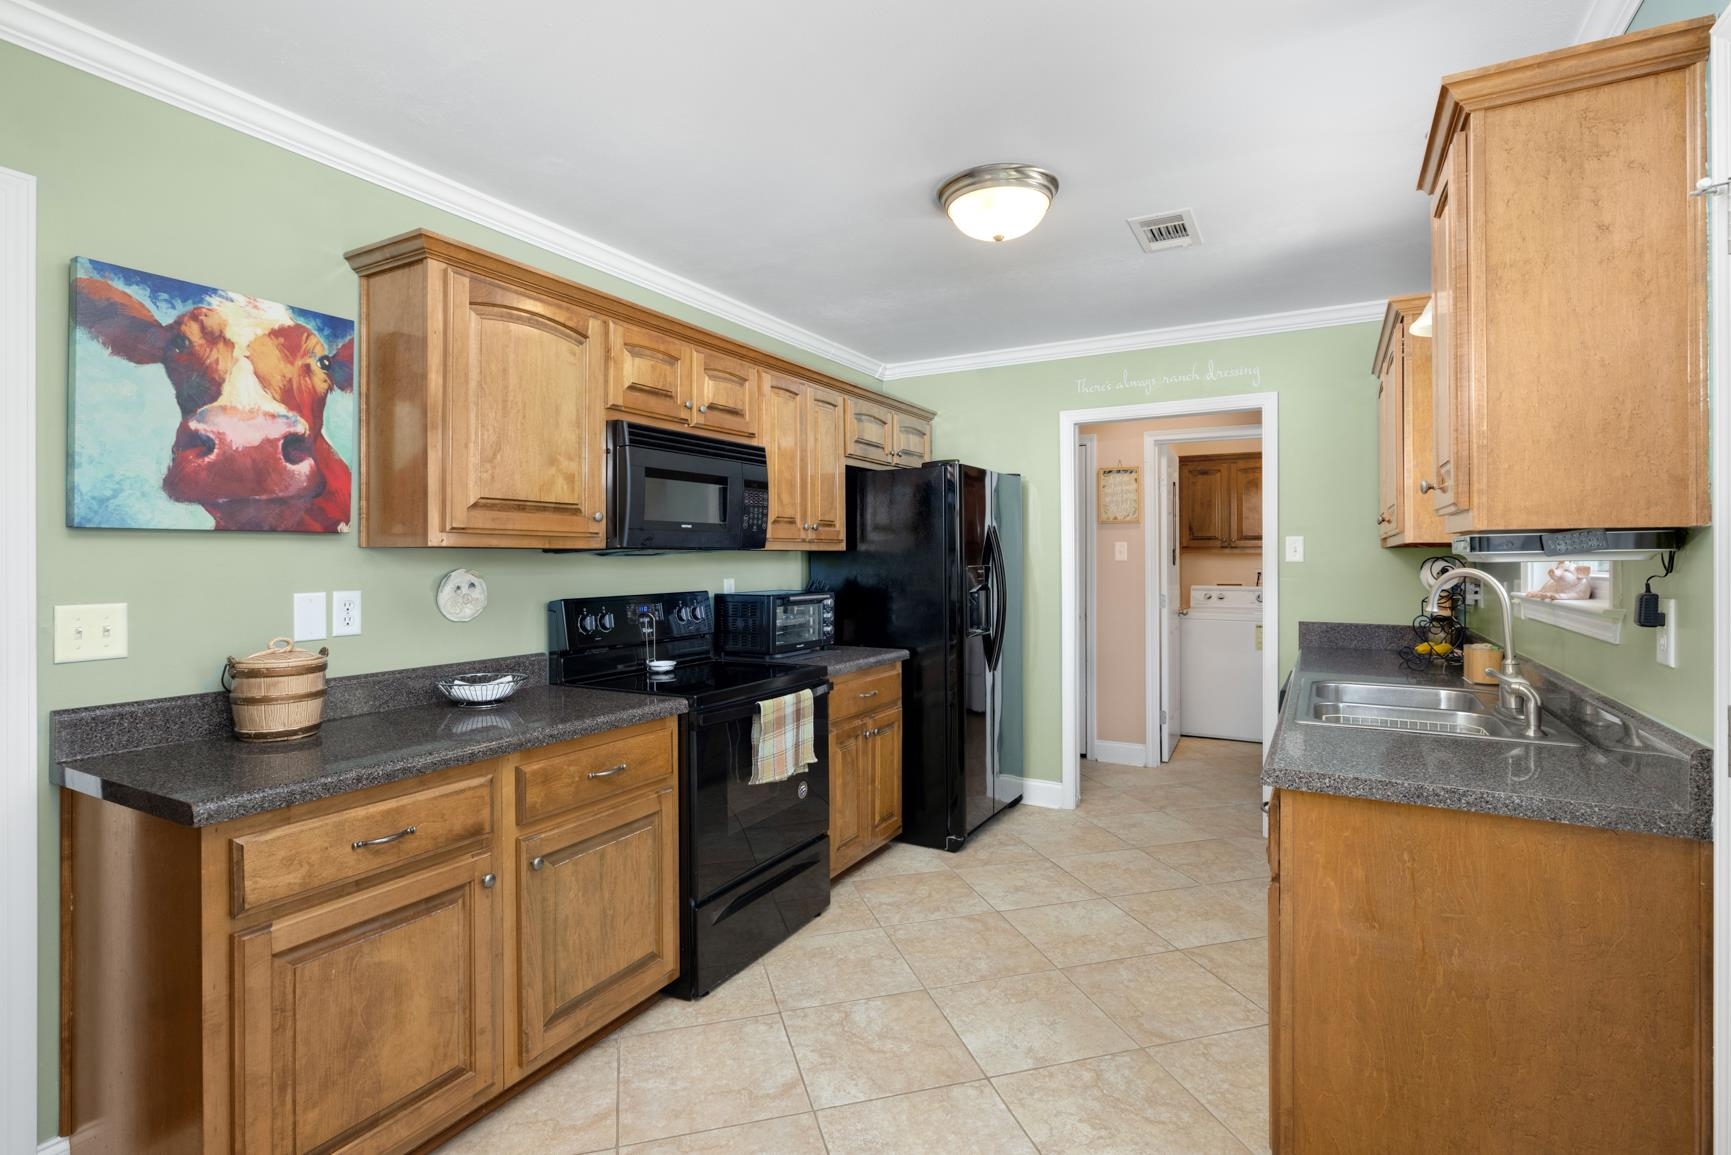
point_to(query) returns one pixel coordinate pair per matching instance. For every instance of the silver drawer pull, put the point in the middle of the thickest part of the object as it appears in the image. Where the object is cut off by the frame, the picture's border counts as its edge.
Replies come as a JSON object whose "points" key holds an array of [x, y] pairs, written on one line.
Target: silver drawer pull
{"points": [[1425, 487], [610, 771], [597, 515], [488, 881], [401, 834], [537, 862], [907, 453], [869, 694], [703, 409]]}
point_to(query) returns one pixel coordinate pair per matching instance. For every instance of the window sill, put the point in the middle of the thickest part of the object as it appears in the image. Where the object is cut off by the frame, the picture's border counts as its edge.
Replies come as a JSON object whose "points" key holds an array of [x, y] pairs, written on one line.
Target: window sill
{"points": [[1595, 619]]}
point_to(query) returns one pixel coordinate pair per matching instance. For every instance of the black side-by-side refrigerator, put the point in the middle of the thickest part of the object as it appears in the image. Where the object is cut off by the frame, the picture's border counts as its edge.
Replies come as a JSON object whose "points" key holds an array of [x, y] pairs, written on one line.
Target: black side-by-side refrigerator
{"points": [[934, 566]]}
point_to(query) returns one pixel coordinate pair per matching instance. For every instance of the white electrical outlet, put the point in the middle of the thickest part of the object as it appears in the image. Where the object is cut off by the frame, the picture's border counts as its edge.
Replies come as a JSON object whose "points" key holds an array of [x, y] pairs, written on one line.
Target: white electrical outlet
{"points": [[89, 633], [726, 585], [309, 617], [1668, 633], [345, 613], [1295, 549], [1120, 551]]}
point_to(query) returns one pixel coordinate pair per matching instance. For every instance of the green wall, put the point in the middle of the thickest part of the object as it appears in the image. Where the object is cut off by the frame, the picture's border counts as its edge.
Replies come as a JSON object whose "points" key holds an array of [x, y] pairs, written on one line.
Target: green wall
{"points": [[1653, 13], [127, 179]]}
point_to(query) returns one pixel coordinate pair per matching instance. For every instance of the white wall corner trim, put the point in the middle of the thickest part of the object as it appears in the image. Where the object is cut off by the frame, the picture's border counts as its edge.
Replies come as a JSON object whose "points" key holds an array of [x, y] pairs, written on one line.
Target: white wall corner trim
{"points": [[1118, 753], [1040, 792], [1257, 326], [55, 1147], [1606, 18], [18, 722], [91, 50]]}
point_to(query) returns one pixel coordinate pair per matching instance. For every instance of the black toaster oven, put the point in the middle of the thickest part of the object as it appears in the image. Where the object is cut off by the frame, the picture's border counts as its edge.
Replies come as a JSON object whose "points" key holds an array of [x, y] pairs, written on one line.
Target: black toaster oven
{"points": [[772, 622]]}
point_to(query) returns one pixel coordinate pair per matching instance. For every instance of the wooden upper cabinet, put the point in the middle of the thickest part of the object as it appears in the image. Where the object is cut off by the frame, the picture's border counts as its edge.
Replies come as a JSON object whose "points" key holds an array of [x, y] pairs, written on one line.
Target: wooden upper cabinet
{"points": [[523, 399], [400, 982], [1570, 270], [1406, 461], [599, 919], [826, 472], [869, 436], [784, 414], [724, 392], [912, 440], [648, 374], [1220, 501]]}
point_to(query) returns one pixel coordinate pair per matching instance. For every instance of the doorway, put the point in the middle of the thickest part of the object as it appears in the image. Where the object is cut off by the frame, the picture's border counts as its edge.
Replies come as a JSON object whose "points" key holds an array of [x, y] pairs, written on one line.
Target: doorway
{"points": [[1100, 522]]}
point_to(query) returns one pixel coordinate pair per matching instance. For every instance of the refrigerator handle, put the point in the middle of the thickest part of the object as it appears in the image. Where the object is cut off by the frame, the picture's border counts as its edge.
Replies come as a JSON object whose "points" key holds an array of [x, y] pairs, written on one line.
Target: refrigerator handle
{"points": [[1000, 598]]}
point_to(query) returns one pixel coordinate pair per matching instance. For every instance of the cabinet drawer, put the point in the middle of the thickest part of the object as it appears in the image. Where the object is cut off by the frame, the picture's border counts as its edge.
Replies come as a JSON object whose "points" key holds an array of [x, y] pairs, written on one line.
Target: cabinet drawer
{"points": [[301, 857], [591, 769], [871, 690]]}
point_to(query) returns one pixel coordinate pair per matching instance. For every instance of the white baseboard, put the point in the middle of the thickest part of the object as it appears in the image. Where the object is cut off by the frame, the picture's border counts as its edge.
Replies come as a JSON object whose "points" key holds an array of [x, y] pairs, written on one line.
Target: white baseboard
{"points": [[57, 1146], [1119, 753], [1040, 792]]}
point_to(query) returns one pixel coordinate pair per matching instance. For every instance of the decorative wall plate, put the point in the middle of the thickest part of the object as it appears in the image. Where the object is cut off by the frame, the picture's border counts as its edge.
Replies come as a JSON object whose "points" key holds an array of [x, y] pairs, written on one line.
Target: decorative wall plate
{"points": [[1120, 493], [462, 595]]}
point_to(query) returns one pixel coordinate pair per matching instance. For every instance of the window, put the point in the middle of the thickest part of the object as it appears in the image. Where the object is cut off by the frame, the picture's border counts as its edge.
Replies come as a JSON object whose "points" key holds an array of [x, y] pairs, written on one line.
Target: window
{"points": [[1597, 616]]}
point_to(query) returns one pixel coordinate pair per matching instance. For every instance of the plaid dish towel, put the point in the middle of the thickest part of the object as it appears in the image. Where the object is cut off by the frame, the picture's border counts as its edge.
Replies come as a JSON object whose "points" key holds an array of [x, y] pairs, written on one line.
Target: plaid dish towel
{"points": [[781, 734]]}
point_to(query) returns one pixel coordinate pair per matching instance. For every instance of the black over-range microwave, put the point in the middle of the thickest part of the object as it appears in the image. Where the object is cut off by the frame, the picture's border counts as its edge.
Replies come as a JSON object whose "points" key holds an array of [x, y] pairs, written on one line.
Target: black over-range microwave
{"points": [[670, 490], [774, 622]]}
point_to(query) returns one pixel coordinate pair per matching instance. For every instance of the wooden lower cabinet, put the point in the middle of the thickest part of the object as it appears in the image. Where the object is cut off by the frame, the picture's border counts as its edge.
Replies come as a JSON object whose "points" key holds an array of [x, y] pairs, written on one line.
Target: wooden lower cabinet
{"points": [[865, 765], [427, 945], [1444, 981]]}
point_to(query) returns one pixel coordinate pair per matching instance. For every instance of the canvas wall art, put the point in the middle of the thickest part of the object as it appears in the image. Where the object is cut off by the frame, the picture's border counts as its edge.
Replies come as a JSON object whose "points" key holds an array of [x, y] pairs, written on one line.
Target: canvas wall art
{"points": [[198, 408]]}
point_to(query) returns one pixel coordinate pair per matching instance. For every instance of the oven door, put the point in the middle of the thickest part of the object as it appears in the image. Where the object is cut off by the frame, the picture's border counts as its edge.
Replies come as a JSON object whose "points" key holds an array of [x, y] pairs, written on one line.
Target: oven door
{"points": [[732, 827], [666, 499], [801, 622]]}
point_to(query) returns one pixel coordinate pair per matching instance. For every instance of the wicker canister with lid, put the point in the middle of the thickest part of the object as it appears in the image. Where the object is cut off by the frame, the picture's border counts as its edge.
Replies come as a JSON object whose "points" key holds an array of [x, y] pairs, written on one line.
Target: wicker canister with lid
{"points": [[277, 693]]}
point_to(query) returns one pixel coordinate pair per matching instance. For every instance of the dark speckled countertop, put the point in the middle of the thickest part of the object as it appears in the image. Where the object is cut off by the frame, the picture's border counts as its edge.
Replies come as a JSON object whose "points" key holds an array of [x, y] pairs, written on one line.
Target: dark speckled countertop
{"points": [[1664, 788], [214, 777], [840, 660]]}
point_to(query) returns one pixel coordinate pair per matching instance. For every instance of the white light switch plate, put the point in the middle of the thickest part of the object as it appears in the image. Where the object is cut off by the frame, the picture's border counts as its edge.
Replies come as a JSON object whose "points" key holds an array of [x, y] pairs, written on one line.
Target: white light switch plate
{"points": [[1295, 549], [345, 613], [1668, 633], [726, 585], [1120, 551], [309, 617], [89, 633]]}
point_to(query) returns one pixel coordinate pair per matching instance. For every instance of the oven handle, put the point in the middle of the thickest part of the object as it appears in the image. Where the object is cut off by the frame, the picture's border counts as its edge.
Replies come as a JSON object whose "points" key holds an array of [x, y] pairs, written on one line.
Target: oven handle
{"points": [[748, 709], [740, 901]]}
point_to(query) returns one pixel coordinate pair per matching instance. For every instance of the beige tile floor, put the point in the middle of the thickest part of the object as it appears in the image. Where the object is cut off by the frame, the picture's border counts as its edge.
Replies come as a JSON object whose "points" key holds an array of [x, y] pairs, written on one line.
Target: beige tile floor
{"points": [[1086, 981]]}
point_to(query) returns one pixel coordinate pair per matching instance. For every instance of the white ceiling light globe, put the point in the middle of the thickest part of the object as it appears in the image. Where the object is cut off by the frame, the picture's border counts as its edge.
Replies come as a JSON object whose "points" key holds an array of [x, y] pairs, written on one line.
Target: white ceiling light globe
{"points": [[998, 202]]}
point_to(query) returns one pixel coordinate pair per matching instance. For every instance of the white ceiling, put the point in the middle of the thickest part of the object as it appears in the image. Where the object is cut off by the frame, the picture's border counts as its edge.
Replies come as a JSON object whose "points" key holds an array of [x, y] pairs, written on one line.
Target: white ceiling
{"points": [[785, 152]]}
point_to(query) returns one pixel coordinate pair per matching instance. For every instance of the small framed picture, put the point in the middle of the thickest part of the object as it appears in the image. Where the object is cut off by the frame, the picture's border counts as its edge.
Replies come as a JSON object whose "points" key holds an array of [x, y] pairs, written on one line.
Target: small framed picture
{"points": [[1120, 493]]}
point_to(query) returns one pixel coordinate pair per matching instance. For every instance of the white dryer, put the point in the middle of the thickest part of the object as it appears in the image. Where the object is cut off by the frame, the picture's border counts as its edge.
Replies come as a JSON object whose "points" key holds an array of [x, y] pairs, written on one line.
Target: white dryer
{"points": [[1220, 663]]}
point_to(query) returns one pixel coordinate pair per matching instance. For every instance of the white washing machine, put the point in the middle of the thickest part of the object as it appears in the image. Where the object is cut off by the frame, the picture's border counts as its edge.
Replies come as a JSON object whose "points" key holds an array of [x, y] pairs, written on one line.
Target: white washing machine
{"points": [[1220, 664]]}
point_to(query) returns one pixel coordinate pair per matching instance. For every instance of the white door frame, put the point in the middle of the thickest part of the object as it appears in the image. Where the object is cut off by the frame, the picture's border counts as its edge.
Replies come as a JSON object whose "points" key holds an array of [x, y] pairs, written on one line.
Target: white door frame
{"points": [[1088, 547], [1154, 546], [1069, 422], [1719, 378], [19, 789]]}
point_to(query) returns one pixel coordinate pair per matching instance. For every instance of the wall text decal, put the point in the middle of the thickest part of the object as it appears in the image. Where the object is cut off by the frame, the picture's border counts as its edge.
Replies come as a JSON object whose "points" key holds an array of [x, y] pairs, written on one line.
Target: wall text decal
{"points": [[1196, 373]]}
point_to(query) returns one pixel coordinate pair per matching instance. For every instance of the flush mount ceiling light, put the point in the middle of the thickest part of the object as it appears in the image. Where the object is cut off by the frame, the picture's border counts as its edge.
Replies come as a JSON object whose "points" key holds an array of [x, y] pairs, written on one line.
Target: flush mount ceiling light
{"points": [[998, 202]]}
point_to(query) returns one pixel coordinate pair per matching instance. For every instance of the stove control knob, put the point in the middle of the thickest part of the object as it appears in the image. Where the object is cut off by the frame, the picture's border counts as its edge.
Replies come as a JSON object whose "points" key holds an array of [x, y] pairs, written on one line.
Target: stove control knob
{"points": [[681, 614], [586, 623], [699, 611], [607, 622]]}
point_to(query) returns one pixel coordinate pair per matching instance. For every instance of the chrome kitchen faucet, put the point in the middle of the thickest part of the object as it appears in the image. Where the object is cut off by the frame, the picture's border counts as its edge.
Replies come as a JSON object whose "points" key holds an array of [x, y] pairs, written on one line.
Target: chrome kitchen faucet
{"points": [[1515, 695]]}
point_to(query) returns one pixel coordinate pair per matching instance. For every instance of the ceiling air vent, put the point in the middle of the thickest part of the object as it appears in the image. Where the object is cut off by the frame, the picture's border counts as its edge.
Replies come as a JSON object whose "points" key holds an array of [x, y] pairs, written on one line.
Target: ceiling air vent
{"points": [[1166, 231]]}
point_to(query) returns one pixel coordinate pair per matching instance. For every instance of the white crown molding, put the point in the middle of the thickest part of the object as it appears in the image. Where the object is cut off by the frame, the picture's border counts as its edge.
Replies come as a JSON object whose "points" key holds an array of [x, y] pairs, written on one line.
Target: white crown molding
{"points": [[91, 50], [1607, 18], [1145, 339]]}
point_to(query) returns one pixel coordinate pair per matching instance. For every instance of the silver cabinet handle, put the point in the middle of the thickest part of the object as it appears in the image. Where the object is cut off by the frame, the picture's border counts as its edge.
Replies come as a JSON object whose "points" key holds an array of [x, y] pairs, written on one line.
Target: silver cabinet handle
{"points": [[688, 405], [1425, 487], [703, 409], [907, 453], [610, 771], [597, 515], [365, 842], [488, 880], [537, 862], [869, 694]]}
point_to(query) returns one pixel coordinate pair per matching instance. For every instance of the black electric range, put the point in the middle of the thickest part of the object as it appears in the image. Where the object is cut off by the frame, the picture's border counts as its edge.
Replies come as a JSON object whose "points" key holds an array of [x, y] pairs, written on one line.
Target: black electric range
{"points": [[754, 859]]}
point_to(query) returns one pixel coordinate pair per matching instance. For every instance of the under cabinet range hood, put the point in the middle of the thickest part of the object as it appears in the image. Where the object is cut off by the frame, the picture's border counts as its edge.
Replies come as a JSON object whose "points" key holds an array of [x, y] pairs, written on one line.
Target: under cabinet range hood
{"points": [[1608, 544]]}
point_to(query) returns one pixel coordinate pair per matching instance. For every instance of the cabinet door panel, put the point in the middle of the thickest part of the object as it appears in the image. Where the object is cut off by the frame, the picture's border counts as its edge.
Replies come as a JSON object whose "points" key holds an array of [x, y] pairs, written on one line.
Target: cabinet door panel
{"points": [[369, 1022], [826, 472], [1450, 367], [849, 779], [886, 776], [1202, 496], [725, 390], [784, 442], [868, 431], [523, 430], [912, 441], [1246, 492], [599, 912], [648, 374], [1390, 430]]}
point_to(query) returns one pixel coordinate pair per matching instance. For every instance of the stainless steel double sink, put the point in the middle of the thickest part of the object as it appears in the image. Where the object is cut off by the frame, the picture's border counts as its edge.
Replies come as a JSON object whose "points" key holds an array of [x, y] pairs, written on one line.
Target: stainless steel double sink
{"points": [[1457, 712]]}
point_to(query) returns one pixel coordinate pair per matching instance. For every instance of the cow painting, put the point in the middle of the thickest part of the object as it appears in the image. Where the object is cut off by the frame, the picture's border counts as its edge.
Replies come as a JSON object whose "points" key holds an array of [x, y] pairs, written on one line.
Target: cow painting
{"points": [[196, 408]]}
